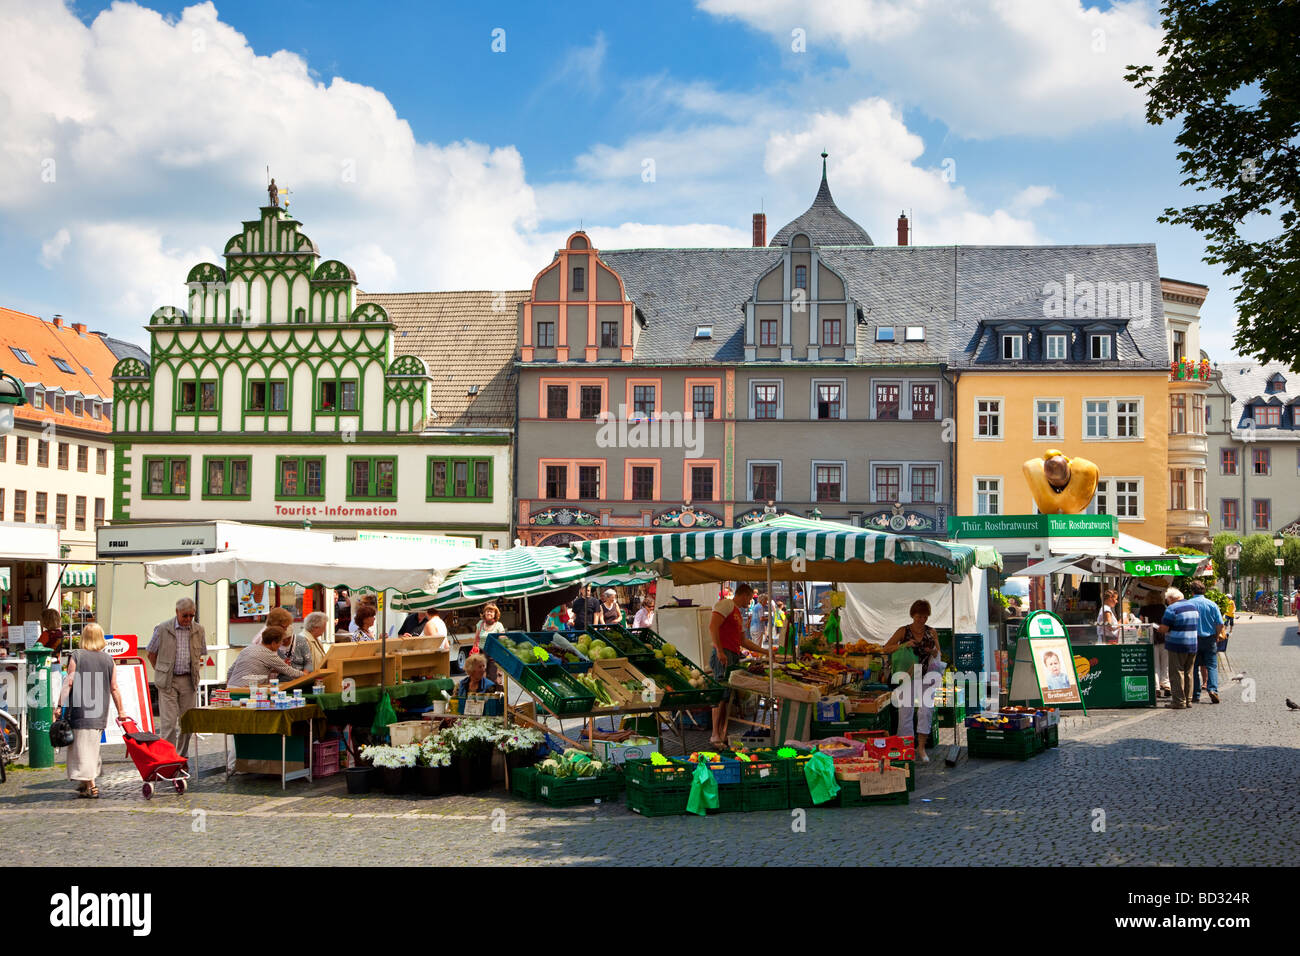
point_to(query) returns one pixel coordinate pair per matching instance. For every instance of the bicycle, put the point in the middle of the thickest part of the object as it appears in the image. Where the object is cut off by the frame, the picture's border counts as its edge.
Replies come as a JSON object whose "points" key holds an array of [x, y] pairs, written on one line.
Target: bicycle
{"points": [[10, 741]]}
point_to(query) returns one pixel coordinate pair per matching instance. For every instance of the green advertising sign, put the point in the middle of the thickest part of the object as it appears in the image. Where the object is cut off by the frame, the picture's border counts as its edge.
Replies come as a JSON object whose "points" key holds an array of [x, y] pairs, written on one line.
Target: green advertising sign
{"points": [[1151, 567], [1116, 675], [1032, 526]]}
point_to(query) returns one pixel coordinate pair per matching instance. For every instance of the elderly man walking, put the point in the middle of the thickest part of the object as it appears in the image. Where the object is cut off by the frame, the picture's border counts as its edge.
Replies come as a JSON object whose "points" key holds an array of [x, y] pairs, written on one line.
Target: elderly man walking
{"points": [[1209, 629], [1179, 628], [176, 652]]}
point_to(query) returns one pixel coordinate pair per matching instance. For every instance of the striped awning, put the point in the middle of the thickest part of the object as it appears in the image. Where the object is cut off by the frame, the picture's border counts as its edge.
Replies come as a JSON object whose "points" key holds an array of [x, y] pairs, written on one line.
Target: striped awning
{"points": [[800, 548], [79, 576], [515, 572]]}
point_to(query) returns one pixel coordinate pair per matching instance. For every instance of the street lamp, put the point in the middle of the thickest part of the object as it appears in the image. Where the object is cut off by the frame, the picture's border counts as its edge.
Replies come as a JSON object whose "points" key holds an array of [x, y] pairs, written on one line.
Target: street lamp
{"points": [[11, 391], [1277, 561]]}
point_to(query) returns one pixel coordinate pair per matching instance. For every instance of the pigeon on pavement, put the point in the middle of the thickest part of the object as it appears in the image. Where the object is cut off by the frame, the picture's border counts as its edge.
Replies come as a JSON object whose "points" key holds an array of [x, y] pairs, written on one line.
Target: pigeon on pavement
{"points": [[1292, 704], [1237, 678]]}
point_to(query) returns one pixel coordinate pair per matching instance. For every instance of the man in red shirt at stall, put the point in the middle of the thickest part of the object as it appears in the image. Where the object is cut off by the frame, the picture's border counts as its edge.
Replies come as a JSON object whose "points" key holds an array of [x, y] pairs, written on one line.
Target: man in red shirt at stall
{"points": [[727, 629]]}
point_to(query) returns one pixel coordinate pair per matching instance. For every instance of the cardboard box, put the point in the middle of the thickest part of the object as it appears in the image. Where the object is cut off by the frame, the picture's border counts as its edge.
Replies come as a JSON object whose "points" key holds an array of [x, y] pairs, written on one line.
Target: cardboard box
{"points": [[617, 753], [870, 704], [410, 731]]}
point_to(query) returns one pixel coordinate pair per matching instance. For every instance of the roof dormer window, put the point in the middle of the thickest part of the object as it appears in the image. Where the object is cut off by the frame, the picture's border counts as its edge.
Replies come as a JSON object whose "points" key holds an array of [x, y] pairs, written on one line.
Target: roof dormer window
{"points": [[1100, 347], [1013, 347], [1057, 348], [1276, 383]]}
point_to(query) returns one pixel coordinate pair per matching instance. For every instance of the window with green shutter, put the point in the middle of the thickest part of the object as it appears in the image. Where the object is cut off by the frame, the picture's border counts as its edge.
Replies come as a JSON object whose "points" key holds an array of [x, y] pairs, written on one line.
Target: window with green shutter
{"points": [[300, 478], [226, 477], [372, 479], [459, 479], [166, 477]]}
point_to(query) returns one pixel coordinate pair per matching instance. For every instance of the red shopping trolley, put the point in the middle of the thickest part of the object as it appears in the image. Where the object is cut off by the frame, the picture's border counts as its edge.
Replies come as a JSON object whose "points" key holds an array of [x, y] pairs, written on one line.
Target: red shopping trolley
{"points": [[155, 758]]}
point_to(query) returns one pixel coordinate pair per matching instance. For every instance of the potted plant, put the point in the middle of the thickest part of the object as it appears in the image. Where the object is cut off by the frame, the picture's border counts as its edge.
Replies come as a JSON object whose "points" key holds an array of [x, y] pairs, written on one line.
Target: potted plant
{"points": [[432, 763], [519, 745], [471, 741], [391, 762]]}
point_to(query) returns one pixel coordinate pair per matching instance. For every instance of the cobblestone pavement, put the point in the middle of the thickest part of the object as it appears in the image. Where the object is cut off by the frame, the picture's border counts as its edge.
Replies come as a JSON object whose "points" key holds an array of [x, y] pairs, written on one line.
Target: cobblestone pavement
{"points": [[1211, 785]]}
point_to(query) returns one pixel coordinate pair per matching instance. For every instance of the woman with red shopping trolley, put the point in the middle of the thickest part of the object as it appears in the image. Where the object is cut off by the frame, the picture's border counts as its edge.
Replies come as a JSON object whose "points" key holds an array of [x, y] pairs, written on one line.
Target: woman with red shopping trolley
{"points": [[90, 680]]}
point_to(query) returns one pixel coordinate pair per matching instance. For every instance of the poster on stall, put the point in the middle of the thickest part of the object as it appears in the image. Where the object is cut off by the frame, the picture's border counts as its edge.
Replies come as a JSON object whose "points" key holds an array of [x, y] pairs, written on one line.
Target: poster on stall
{"points": [[255, 598], [134, 688], [1044, 668]]}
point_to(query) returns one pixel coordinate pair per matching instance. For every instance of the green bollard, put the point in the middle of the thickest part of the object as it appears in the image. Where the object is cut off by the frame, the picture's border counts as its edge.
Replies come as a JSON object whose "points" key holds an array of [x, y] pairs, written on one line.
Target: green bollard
{"points": [[40, 708]]}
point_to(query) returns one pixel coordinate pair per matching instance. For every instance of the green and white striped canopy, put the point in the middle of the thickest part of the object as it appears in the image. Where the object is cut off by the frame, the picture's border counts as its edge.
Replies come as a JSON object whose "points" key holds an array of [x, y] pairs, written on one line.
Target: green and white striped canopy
{"points": [[800, 548], [515, 572], [79, 576]]}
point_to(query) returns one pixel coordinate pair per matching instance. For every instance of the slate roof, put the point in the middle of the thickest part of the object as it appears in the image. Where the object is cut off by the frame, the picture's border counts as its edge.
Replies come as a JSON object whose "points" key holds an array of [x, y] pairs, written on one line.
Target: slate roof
{"points": [[824, 222], [948, 290], [465, 341], [1246, 381], [124, 349]]}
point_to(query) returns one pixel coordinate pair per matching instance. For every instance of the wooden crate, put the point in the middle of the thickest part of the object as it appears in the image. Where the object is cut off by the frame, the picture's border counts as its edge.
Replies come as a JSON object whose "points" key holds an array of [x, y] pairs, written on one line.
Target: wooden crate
{"points": [[612, 673], [419, 657]]}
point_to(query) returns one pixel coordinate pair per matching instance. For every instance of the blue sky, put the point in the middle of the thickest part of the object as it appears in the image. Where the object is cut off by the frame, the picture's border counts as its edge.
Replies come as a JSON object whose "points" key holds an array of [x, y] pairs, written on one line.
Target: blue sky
{"points": [[427, 161]]}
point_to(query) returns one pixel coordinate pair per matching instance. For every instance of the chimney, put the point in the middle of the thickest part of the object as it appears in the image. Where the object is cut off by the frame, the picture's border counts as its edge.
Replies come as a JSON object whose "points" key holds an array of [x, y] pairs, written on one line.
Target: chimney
{"points": [[79, 328], [760, 229], [58, 321], [902, 229]]}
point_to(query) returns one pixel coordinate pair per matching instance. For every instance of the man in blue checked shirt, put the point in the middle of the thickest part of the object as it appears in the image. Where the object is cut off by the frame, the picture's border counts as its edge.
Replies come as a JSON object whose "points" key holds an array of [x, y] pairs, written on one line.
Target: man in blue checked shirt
{"points": [[1209, 628], [1180, 627]]}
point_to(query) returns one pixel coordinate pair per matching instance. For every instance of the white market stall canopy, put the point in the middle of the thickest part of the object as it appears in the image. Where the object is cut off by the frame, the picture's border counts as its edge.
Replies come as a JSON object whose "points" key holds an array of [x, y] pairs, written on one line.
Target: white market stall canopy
{"points": [[381, 565]]}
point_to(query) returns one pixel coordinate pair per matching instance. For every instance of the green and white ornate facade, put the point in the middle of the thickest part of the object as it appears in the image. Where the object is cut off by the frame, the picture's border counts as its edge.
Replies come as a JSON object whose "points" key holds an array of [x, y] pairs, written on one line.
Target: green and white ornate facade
{"points": [[275, 398]]}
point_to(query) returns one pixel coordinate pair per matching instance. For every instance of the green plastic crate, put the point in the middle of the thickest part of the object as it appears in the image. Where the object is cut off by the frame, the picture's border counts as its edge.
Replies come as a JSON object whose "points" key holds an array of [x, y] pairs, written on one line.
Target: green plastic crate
{"points": [[731, 798], [619, 638], [573, 791], [911, 772], [764, 772], [643, 773], [1013, 744], [678, 693], [1051, 736], [821, 729], [557, 690], [764, 796], [949, 716], [664, 801], [523, 783]]}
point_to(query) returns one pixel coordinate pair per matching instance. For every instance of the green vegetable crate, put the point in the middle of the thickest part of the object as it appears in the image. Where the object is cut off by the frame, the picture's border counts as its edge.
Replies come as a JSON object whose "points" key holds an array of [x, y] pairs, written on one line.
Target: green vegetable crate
{"points": [[1051, 736], [821, 729], [1015, 744], [657, 801], [764, 796], [643, 773], [573, 791], [523, 783], [678, 692], [620, 639], [557, 690], [850, 796], [730, 798]]}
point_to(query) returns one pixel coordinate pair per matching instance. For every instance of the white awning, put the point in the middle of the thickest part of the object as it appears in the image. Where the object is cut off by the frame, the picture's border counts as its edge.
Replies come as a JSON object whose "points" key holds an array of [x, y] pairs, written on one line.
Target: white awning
{"points": [[382, 564]]}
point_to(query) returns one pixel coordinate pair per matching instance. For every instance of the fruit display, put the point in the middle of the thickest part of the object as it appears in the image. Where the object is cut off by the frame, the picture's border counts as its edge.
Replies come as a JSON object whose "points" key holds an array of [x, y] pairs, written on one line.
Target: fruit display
{"points": [[595, 648], [525, 650], [564, 654], [1061, 485], [679, 666]]}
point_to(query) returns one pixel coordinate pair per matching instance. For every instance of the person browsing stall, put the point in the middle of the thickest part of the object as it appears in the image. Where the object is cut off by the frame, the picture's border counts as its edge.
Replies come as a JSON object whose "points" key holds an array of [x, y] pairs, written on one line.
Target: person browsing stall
{"points": [[176, 653], [476, 680], [609, 611], [257, 662], [645, 615], [488, 623], [727, 631], [915, 718], [1179, 627], [365, 622]]}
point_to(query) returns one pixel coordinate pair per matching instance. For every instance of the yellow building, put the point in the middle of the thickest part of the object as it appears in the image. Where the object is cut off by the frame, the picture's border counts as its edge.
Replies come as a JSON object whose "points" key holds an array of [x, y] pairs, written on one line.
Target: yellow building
{"points": [[1117, 420], [1079, 363]]}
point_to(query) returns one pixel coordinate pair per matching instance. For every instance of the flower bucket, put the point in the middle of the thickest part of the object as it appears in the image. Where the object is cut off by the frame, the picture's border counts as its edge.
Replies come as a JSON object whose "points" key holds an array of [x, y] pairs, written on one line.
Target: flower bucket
{"points": [[358, 779], [392, 779], [521, 758], [430, 781], [410, 779]]}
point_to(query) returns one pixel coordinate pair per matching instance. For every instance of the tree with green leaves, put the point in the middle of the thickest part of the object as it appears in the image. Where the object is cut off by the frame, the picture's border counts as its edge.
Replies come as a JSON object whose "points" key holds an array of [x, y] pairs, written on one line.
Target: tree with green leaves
{"points": [[1257, 554], [1229, 71]]}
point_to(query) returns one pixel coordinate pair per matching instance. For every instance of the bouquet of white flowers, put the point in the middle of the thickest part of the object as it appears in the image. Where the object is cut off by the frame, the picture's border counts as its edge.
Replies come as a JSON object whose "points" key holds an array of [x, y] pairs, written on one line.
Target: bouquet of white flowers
{"points": [[511, 740], [391, 758], [471, 737], [433, 753]]}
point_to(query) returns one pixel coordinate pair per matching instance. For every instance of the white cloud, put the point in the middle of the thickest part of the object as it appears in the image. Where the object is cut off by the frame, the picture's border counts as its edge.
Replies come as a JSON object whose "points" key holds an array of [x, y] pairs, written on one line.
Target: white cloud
{"points": [[982, 67], [1031, 197], [53, 247]]}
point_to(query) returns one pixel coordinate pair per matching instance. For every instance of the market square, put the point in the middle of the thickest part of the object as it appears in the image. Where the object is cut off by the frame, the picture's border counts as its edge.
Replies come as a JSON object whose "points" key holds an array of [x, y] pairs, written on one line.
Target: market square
{"points": [[452, 438]]}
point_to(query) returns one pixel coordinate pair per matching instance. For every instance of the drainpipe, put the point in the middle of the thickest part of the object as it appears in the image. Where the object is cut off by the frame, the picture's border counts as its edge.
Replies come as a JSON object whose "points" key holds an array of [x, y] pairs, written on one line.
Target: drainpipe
{"points": [[952, 456]]}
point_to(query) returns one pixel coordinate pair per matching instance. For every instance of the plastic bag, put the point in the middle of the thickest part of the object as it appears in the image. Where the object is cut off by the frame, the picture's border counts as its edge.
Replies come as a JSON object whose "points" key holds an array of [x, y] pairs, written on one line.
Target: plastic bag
{"points": [[704, 790], [384, 715], [820, 774]]}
